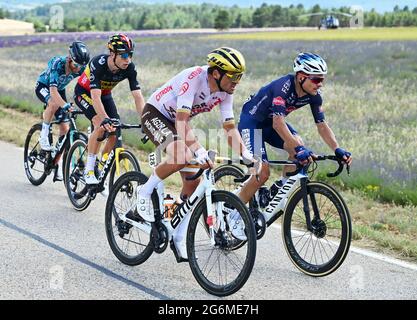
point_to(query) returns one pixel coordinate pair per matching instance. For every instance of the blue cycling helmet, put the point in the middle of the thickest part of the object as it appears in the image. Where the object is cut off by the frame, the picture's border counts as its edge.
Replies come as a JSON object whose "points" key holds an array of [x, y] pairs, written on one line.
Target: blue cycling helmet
{"points": [[310, 63]]}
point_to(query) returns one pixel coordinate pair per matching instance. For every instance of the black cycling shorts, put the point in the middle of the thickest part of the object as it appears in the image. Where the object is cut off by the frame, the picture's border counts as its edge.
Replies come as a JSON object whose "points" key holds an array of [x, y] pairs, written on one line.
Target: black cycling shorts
{"points": [[83, 100], [43, 93]]}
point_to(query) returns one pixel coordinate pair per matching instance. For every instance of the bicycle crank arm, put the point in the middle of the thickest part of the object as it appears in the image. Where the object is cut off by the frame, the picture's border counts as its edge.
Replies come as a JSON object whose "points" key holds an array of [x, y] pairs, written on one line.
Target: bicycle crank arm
{"points": [[143, 226]]}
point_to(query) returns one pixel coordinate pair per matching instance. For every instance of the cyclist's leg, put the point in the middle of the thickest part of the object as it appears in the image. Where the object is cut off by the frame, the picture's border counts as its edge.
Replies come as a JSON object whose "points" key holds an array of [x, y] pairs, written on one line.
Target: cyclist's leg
{"points": [[276, 141], [62, 116], [111, 111], [43, 94], [252, 137], [85, 103], [163, 134]]}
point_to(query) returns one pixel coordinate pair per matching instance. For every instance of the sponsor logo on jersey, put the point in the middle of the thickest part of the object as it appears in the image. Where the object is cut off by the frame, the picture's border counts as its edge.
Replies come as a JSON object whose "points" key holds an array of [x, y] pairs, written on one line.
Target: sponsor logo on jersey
{"points": [[184, 88], [102, 60], [286, 86], [278, 101], [204, 107], [195, 73], [163, 92]]}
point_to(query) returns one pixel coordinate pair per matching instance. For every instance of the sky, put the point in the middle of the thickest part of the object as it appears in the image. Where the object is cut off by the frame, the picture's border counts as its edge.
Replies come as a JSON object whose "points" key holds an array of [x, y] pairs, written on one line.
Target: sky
{"points": [[379, 5]]}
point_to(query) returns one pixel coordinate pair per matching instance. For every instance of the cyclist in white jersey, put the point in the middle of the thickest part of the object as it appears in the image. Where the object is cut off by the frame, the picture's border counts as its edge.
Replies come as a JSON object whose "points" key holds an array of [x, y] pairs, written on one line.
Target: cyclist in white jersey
{"points": [[166, 116]]}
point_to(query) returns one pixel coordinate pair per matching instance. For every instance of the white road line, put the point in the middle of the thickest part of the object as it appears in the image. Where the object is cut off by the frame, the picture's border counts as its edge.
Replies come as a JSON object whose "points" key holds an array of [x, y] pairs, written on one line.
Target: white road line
{"points": [[376, 256]]}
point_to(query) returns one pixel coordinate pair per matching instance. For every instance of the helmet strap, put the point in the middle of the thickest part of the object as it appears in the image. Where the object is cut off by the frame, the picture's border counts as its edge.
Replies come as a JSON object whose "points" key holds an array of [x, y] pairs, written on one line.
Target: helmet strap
{"points": [[114, 61], [301, 84], [218, 81]]}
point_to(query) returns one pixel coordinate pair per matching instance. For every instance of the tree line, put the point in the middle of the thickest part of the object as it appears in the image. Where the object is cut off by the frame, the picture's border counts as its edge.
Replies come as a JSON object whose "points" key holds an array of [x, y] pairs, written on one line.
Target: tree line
{"points": [[4, 14], [109, 15]]}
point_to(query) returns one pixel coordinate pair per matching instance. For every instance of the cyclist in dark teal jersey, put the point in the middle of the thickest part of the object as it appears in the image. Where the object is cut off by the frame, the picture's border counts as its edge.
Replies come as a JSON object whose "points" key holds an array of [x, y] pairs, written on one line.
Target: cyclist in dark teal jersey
{"points": [[50, 88]]}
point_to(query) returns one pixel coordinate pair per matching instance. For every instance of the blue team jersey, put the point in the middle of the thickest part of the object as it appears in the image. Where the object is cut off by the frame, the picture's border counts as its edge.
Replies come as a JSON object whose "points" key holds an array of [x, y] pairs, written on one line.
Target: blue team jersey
{"points": [[279, 98], [54, 75]]}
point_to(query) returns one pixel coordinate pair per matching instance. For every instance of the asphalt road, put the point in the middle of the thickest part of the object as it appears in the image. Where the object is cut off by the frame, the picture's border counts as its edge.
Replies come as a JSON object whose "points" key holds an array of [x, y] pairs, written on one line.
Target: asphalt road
{"points": [[50, 251]]}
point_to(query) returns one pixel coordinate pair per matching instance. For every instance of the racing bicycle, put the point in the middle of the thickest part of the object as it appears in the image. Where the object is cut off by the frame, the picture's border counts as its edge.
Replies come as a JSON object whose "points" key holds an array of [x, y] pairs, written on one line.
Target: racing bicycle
{"points": [[119, 161], [40, 163], [202, 221], [316, 225]]}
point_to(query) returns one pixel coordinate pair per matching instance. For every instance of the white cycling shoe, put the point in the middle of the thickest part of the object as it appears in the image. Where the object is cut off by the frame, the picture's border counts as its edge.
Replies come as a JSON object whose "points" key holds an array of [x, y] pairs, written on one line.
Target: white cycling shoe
{"points": [[143, 207], [236, 225], [45, 145], [90, 178]]}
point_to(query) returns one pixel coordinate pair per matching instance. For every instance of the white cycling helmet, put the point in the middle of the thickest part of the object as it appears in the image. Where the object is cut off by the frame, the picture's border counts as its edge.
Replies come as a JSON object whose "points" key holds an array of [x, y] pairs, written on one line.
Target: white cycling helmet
{"points": [[310, 63]]}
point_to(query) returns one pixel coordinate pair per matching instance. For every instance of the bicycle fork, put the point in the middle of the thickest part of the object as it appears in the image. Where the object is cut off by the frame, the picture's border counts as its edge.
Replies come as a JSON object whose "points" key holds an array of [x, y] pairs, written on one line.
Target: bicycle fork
{"points": [[306, 207]]}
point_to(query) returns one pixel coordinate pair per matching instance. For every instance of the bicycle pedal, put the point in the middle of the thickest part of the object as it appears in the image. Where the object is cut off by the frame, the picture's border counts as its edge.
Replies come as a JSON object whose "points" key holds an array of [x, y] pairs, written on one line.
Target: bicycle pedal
{"points": [[177, 256]]}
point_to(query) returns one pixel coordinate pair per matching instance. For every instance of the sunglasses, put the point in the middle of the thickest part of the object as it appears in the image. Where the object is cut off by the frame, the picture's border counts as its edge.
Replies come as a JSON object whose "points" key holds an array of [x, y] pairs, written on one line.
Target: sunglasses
{"points": [[126, 55], [76, 65], [234, 77], [316, 80]]}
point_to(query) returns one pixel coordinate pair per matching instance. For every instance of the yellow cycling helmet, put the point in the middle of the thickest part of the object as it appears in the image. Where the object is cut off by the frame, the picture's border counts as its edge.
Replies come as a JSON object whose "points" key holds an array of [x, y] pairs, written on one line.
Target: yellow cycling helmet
{"points": [[227, 59]]}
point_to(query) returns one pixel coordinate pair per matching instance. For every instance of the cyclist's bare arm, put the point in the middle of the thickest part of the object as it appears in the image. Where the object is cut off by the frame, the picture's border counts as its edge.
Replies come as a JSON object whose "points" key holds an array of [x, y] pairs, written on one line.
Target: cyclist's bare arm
{"points": [[185, 132], [233, 137], [56, 99], [327, 135], [139, 101]]}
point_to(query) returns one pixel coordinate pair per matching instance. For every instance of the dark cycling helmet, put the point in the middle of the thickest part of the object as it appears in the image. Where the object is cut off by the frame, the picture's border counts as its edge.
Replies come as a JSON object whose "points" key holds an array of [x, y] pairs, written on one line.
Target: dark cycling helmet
{"points": [[79, 53], [121, 43]]}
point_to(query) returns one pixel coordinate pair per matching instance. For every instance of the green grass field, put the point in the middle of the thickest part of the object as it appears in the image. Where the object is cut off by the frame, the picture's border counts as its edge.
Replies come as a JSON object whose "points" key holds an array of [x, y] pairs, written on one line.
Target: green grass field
{"points": [[365, 34]]}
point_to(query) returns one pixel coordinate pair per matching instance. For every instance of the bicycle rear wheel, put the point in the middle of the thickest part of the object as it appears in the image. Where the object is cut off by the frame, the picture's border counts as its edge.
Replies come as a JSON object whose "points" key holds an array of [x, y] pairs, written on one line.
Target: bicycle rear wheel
{"points": [[221, 269], [35, 159], [127, 163], [75, 185], [129, 244], [322, 249]]}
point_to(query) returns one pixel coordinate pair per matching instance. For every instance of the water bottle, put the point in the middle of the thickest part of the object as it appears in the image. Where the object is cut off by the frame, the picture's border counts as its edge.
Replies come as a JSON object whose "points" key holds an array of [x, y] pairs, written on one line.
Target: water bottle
{"points": [[168, 206], [275, 188]]}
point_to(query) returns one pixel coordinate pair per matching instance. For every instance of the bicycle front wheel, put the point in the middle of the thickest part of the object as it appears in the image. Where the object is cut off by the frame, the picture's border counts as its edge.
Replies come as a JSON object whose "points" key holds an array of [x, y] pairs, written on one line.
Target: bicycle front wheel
{"points": [[129, 244], [220, 268], [75, 185], [321, 249], [127, 163]]}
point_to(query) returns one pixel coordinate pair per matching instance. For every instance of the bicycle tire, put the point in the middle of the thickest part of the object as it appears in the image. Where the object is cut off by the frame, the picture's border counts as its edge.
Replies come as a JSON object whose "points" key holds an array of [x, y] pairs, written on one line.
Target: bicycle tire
{"points": [[31, 154], [77, 136], [134, 165], [322, 231], [73, 176], [198, 214], [124, 184]]}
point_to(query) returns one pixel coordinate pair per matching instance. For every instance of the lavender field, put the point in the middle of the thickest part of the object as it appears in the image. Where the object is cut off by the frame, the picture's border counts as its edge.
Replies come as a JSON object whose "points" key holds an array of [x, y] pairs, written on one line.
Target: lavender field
{"points": [[370, 94]]}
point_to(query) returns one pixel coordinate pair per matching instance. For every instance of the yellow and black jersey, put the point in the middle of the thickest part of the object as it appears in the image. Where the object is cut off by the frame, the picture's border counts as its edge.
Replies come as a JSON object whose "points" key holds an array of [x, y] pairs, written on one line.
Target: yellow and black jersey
{"points": [[97, 75]]}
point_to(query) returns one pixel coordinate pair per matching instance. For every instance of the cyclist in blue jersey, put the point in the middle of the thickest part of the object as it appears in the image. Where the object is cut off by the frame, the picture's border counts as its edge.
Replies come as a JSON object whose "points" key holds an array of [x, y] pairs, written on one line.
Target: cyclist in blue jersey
{"points": [[263, 119], [50, 88]]}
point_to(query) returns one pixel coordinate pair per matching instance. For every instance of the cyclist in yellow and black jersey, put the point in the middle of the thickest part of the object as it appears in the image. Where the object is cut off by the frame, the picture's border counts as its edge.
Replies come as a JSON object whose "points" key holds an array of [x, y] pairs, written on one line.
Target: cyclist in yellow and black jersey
{"points": [[93, 94]]}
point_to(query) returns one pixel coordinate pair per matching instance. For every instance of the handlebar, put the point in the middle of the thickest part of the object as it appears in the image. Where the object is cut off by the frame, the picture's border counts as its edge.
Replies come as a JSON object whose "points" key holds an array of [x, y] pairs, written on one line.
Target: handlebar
{"points": [[212, 156], [299, 167], [320, 158], [119, 125]]}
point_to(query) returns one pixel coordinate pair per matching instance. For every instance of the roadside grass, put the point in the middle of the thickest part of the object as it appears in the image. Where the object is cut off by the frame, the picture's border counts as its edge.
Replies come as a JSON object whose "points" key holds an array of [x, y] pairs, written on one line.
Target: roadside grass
{"points": [[343, 34], [384, 227]]}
